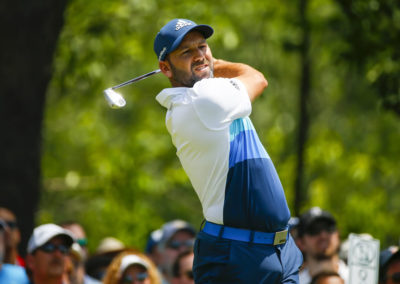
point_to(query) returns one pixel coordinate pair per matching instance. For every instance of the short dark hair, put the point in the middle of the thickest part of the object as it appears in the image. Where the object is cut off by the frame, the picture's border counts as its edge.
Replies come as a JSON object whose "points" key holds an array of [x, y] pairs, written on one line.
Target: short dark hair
{"points": [[324, 274]]}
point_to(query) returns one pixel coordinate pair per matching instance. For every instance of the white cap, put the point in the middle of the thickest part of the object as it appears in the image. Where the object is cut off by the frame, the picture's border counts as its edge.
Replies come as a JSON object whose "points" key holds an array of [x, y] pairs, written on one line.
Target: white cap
{"points": [[170, 228], [109, 244], [43, 233], [131, 259]]}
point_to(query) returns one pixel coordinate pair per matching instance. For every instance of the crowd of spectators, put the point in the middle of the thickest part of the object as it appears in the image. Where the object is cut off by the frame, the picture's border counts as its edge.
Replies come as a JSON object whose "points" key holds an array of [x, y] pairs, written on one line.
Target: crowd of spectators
{"points": [[57, 253]]}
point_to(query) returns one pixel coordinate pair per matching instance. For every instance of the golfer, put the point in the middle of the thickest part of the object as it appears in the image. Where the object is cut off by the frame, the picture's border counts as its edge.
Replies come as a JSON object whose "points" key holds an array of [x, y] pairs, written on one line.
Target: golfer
{"points": [[245, 236]]}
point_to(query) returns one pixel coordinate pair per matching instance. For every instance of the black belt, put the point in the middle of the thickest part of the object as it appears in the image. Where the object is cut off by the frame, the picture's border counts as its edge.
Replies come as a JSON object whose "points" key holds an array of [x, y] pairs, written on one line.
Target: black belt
{"points": [[244, 235]]}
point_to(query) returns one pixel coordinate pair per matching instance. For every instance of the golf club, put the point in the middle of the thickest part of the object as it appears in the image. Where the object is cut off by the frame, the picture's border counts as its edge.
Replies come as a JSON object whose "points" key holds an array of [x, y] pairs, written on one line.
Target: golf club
{"points": [[114, 99]]}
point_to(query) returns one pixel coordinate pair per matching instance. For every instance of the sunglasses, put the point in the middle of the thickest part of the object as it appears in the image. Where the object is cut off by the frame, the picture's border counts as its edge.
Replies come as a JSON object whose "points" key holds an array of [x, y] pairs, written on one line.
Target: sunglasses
{"points": [[139, 277], [7, 224], [178, 244], [395, 277], [50, 248], [319, 227], [11, 224], [82, 242]]}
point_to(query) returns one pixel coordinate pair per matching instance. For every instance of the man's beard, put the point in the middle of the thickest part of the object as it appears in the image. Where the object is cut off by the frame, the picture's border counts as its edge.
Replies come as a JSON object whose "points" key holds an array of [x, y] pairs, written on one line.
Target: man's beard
{"points": [[320, 256], [189, 79]]}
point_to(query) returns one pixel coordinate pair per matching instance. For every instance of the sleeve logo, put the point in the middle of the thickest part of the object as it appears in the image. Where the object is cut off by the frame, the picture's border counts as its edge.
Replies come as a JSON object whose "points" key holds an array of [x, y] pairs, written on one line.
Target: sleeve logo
{"points": [[235, 84]]}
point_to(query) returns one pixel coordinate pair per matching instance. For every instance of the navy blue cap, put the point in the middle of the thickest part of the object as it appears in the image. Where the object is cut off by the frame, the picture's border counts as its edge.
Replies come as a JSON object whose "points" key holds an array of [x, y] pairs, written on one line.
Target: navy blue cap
{"points": [[311, 216], [172, 34]]}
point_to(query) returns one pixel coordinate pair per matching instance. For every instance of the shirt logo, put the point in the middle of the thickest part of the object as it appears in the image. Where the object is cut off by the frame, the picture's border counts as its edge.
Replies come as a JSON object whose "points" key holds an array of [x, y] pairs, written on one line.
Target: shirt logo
{"points": [[234, 84], [181, 23]]}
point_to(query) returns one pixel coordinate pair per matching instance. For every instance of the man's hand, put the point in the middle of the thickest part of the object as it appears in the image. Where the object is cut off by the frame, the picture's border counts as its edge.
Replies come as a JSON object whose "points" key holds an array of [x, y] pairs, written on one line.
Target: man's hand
{"points": [[254, 80]]}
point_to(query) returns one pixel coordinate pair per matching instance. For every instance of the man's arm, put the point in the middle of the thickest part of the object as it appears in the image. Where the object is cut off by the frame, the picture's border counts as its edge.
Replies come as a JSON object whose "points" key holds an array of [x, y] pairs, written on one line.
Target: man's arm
{"points": [[254, 80]]}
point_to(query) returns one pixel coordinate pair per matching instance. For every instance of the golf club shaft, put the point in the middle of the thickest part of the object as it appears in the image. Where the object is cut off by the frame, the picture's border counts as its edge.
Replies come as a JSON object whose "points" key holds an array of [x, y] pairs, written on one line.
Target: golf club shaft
{"points": [[136, 79]]}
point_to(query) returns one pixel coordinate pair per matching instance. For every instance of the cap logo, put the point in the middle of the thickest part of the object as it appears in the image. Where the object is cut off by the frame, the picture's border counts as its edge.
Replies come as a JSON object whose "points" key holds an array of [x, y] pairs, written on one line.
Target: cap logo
{"points": [[162, 53], [181, 23]]}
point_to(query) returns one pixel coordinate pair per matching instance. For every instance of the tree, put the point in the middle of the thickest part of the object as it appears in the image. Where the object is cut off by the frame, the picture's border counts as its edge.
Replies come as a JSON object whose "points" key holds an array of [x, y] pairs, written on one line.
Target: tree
{"points": [[372, 30], [29, 30]]}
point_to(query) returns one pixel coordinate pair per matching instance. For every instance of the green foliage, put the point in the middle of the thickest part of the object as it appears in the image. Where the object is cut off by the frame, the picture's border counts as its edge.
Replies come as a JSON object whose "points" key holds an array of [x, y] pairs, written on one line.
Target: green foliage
{"points": [[116, 171]]}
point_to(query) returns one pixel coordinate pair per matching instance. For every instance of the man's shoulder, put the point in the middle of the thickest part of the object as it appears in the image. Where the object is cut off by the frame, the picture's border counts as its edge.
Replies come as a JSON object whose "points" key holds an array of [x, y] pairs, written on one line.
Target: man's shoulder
{"points": [[218, 83], [12, 267], [167, 95], [11, 272]]}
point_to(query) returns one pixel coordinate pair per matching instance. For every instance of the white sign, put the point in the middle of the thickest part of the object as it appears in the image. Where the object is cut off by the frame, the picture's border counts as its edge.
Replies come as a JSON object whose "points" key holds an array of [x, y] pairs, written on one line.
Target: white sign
{"points": [[363, 259]]}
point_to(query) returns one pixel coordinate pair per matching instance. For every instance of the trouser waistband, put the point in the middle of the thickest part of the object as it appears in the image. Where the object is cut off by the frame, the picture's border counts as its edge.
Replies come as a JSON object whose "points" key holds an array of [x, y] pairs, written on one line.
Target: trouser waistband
{"points": [[245, 235]]}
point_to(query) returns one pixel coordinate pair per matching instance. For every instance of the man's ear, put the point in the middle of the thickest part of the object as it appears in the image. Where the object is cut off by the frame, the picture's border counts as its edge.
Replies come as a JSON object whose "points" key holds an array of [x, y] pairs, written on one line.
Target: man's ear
{"points": [[165, 68]]}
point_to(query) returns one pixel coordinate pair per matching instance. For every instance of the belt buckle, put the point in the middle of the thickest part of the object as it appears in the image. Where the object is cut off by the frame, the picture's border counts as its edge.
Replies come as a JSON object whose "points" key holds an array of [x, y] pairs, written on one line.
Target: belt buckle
{"points": [[280, 237]]}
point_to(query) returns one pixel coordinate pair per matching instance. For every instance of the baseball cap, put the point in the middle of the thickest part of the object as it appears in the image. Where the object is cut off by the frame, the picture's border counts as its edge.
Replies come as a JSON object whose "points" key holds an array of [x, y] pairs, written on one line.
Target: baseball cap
{"points": [[153, 240], [386, 256], [172, 34], [169, 229], [132, 259], [43, 233], [109, 245], [310, 217]]}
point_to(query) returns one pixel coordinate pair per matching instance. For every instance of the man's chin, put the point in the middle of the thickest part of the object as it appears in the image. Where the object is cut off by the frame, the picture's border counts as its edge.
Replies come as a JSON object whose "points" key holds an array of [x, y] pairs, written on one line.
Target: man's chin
{"points": [[203, 76]]}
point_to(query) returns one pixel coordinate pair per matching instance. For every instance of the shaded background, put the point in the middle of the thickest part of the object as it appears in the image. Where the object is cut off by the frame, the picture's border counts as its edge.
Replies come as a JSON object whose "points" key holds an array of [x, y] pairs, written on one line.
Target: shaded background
{"points": [[329, 118]]}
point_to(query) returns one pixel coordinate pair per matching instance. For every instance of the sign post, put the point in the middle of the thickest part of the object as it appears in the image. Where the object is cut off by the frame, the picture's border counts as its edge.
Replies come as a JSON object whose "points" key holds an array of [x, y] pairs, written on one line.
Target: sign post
{"points": [[363, 260]]}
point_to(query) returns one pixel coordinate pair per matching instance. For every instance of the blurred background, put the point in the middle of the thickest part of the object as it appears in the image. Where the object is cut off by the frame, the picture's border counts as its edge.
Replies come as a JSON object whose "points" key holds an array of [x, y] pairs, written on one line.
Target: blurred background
{"points": [[330, 118]]}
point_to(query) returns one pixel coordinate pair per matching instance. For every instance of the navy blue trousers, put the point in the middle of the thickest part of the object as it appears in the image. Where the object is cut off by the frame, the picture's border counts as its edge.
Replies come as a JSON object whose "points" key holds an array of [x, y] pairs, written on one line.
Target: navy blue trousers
{"points": [[220, 260]]}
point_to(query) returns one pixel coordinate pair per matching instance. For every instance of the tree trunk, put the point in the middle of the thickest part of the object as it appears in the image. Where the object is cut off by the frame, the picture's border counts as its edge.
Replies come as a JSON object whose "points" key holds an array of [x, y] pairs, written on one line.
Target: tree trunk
{"points": [[305, 85], [29, 30]]}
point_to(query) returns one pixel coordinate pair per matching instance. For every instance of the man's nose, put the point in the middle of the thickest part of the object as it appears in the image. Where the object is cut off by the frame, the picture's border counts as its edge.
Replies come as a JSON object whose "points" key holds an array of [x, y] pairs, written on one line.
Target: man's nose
{"points": [[198, 54], [324, 234]]}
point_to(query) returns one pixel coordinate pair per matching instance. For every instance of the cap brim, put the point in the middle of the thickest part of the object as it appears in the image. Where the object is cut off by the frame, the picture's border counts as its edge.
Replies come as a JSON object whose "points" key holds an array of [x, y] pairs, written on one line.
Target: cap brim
{"points": [[205, 30], [132, 259], [49, 233]]}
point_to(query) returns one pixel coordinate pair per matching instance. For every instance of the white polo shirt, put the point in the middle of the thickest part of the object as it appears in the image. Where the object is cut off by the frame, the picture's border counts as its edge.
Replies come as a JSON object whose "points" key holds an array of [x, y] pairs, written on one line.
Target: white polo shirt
{"points": [[222, 155]]}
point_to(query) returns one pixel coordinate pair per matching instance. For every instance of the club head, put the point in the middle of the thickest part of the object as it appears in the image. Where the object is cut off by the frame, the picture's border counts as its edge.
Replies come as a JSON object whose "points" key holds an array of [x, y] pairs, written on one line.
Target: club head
{"points": [[114, 99]]}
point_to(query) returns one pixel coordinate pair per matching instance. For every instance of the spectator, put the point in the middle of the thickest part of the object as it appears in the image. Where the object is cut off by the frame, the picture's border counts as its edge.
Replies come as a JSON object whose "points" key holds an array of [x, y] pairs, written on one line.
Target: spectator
{"points": [[151, 249], [74, 270], [389, 270], [293, 226], [97, 264], [327, 277], [79, 253], [12, 237], [177, 236], [9, 273], [131, 266], [47, 253], [182, 269], [80, 235], [318, 239]]}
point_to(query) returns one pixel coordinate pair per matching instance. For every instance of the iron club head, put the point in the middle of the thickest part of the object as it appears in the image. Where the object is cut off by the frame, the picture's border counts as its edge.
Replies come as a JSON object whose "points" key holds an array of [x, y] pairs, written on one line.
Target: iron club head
{"points": [[114, 99]]}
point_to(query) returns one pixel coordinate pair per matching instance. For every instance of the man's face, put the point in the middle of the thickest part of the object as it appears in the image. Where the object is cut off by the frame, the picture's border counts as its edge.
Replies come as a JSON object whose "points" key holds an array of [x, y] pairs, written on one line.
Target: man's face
{"points": [[190, 62], [393, 273], [186, 269], [49, 264], [321, 241], [80, 235], [135, 274], [179, 242], [12, 236]]}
